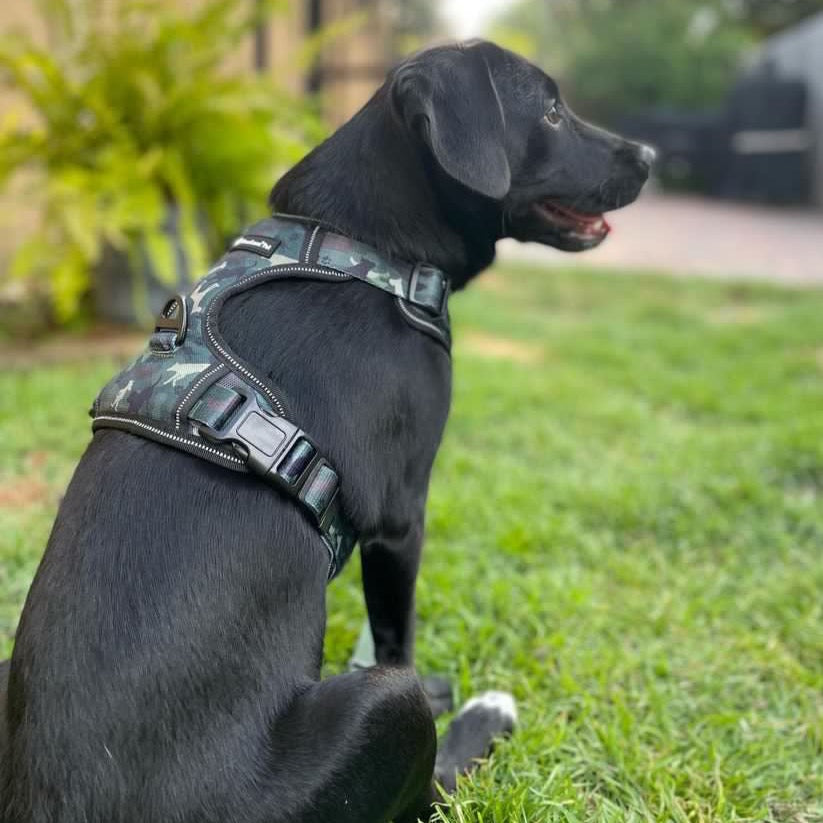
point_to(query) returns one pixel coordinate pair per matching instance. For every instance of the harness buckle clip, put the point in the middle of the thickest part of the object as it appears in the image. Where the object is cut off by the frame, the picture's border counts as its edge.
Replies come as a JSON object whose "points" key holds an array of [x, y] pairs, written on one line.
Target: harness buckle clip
{"points": [[273, 448]]}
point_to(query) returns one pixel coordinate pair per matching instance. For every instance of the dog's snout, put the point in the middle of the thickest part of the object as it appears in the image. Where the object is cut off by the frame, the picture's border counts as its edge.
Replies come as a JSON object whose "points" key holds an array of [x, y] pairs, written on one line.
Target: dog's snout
{"points": [[637, 156]]}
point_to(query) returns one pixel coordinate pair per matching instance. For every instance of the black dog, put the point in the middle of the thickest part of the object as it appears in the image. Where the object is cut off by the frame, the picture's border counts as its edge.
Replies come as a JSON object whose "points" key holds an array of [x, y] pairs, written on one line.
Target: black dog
{"points": [[167, 661]]}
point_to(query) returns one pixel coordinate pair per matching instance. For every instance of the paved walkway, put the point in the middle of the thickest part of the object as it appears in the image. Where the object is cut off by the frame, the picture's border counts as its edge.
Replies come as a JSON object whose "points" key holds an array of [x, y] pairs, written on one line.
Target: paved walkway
{"points": [[691, 235]]}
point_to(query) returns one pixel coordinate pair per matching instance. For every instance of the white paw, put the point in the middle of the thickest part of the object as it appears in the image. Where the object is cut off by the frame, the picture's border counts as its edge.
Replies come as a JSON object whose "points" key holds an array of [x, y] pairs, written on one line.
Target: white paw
{"points": [[501, 702]]}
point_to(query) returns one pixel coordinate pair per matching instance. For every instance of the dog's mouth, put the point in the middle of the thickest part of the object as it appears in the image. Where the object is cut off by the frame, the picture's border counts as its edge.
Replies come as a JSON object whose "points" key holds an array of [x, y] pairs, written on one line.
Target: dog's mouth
{"points": [[570, 229], [554, 224]]}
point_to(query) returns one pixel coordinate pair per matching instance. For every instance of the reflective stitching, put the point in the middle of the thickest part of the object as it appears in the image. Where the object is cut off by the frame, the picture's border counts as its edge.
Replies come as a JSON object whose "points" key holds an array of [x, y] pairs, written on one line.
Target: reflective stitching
{"points": [[272, 270], [332, 570], [311, 243], [419, 320], [174, 438]]}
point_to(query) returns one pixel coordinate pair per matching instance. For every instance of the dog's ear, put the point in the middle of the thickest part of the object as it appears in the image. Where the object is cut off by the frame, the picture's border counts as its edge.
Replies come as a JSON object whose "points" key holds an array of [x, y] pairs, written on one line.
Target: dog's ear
{"points": [[452, 103]]}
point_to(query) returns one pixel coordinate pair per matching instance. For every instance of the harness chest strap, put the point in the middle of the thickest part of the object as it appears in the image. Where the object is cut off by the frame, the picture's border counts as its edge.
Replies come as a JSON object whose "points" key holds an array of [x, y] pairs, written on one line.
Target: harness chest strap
{"points": [[188, 390], [279, 452]]}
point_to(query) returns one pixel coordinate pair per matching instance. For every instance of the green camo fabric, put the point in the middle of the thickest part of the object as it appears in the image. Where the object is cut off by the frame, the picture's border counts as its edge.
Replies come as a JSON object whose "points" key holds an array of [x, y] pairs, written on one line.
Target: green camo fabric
{"points": [[154, 384], [152, 396]]}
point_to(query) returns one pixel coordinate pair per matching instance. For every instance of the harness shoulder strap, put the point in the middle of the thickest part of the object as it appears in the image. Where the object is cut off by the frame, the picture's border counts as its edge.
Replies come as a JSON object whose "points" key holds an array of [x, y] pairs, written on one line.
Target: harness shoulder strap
{"points": [[190, 391], [421, 290], [281, 454]]}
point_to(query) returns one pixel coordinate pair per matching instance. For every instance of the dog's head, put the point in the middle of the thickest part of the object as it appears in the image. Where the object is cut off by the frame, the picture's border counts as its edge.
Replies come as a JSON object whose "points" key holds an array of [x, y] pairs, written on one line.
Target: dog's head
{"points": [[497, 125]]}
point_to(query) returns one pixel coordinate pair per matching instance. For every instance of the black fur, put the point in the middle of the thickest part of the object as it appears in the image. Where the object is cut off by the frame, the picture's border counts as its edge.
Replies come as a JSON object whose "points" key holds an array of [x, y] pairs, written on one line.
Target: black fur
{"points": [[168, 657]]}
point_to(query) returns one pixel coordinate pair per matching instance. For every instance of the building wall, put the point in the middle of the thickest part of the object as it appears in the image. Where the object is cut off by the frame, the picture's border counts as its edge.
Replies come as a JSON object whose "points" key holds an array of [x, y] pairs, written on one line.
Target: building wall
{"points": [[351, 68], [353, 65], [798, 53]]}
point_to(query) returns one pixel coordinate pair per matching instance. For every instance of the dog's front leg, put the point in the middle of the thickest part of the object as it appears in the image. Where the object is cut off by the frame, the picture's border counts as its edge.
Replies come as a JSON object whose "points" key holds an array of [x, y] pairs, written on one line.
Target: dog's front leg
{"points": [[390, 563]]}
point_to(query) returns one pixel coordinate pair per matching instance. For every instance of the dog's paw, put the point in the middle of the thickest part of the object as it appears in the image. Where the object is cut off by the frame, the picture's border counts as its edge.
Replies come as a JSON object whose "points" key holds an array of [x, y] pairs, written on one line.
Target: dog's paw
{"points": [[471, 735], [499, 704]]}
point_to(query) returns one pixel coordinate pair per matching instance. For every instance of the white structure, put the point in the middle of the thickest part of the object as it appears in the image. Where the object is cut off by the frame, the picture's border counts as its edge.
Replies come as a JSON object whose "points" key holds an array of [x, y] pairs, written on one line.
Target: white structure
{"points": [[797, 54]]}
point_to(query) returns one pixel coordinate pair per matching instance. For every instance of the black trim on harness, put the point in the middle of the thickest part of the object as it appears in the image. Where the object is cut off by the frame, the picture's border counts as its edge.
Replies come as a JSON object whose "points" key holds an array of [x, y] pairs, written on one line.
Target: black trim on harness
{"points": [[162, 435]]}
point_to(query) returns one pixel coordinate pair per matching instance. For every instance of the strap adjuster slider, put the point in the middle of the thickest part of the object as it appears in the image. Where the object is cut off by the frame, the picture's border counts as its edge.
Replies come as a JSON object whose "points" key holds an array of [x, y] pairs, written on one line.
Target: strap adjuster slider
{"points": [[428, 288]]}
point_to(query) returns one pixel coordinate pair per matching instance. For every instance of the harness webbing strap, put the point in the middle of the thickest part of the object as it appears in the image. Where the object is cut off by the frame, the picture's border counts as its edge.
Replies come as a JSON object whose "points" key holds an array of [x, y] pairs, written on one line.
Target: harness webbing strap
{"points": [[279, 452], [419, 283], [189, 390], [215, 406]]}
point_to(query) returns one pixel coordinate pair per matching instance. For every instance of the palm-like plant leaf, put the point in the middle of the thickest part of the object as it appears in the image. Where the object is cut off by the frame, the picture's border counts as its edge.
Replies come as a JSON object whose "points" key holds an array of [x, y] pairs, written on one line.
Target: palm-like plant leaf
{"points": [[130, 113]]}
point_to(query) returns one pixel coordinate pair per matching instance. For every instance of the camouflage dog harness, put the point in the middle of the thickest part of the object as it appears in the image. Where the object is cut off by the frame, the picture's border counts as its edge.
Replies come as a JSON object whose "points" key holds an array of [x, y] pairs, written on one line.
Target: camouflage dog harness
{"points": [[190, 391]]}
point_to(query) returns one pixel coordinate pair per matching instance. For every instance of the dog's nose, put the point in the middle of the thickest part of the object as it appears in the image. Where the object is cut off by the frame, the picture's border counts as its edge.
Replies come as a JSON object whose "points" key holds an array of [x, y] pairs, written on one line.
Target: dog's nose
{"points": [[646, 154]]}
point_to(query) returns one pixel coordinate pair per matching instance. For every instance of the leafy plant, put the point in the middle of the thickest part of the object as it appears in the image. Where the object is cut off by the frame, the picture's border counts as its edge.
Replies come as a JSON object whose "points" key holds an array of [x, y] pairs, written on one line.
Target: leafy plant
{"points": [[129, 115]]}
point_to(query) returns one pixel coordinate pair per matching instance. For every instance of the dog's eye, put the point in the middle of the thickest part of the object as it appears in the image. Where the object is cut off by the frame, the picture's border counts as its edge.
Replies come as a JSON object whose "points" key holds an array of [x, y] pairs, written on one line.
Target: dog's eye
{"points": [[552, 116]]}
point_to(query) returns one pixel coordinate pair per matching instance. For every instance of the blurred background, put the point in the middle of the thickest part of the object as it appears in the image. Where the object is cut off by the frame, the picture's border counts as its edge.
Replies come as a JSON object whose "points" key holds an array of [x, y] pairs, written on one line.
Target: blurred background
{"points": [[625, 518], [136, 136]]}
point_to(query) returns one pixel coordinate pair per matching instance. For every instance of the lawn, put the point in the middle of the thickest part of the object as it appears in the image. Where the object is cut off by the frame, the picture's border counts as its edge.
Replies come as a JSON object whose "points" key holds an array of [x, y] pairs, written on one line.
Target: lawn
{"points": [[625, 529]]}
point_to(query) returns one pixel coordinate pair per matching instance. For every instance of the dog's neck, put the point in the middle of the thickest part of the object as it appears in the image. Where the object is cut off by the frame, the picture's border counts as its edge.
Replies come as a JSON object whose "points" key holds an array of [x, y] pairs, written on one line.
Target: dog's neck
{"points": [[374, 182]]}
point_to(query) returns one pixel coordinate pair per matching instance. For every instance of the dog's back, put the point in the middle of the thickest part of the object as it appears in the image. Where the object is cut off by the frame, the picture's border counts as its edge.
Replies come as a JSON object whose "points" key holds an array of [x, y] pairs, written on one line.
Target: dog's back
{"points": [[155, 648], [179, 607]]}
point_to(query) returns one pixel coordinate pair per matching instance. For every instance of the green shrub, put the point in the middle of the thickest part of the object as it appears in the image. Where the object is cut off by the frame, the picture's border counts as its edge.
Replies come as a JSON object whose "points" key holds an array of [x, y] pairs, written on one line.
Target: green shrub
{"points": [[135, 114]]}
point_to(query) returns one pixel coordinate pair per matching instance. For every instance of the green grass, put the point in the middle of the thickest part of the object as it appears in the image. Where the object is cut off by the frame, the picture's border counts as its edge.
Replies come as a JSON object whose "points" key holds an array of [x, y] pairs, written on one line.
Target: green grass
{"points": [[625, 529]]}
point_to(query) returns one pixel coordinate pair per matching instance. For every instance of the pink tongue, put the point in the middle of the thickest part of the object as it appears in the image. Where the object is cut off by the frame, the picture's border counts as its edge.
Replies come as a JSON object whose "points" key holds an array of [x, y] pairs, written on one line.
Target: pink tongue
{"points": [[587, 219], [583, 218]]}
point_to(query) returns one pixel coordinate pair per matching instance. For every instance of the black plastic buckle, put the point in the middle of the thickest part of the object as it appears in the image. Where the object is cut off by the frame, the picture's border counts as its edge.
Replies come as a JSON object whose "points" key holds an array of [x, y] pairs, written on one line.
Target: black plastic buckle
{"points": [[174, 317], [428, 288], [265, 442]]}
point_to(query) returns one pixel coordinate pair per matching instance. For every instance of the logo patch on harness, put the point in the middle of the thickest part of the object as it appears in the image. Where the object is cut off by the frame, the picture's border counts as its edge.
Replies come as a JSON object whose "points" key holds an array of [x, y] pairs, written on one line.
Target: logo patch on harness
{"points": [[264, 246]]}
